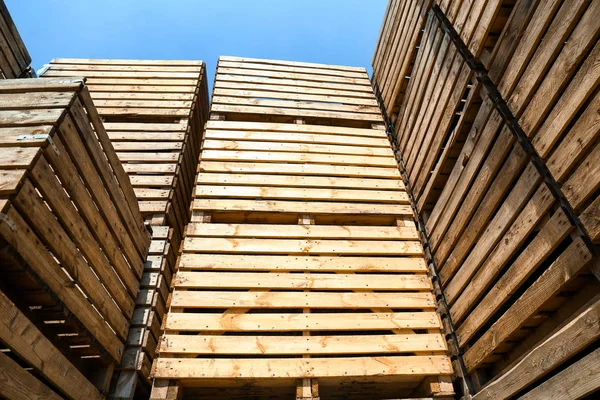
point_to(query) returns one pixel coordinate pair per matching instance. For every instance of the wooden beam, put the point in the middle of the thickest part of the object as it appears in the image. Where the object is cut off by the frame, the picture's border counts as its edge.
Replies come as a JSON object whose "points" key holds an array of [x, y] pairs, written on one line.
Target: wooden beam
{"points": [[197, 369], [22, 337], [17, 384]]}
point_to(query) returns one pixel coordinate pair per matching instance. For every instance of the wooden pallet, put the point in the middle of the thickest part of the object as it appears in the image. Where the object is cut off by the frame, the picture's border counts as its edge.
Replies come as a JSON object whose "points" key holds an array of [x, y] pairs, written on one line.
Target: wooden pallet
{"points": [[14, 57], [514, 269], [302, 263], [154, 113], [272, 91], [72, 237]]}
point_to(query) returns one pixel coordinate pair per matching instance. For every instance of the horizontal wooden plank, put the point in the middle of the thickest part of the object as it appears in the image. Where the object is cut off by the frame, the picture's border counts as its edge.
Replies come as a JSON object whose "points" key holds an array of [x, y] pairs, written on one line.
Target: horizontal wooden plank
{"points": [[136, 95], [295, 112], [255, 322], [293, 128], [284, 90], [302, 231], [298, 181], [301, 207], [115, 61], [211, 144], [151, 180], [142, 168], [362, 80], [152, 194], [301, 246], [144, 84], [54, 71], [153, 157], [299, 281], [290, 63], [300, 169], [48, 84], [308, 158], [115, 86], [266, 299], [281, 193], [17, 157], [145, 127], [226, 262], [35, 100], [10, 180], [146, 146], [142, 137], [150, 112], [361, 74], [118, 103], [183, 369], [366, 143], [153, 206], [30, 117], [294, 345], [280, 92], [294, 82], [9, 137], [125, 68], [297, 104]]}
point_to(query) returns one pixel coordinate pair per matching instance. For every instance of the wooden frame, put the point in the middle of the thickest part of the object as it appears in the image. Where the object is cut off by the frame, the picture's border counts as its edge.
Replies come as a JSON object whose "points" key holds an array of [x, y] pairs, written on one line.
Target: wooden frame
{"points": [[73, 239]]}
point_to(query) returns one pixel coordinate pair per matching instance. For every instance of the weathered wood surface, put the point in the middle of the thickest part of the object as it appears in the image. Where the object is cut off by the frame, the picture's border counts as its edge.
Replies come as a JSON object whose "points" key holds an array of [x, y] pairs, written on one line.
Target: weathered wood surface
{"points": [[14, 57], [301, 226], [73, 240], [154, 113], [511, 262]]}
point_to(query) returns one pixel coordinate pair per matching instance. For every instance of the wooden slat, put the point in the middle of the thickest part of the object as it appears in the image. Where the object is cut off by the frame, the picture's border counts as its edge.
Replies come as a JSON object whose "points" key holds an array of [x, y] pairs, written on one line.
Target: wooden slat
{"points": [[296, 148], [190, 261], [299, 368], [297, 181], [291, 63], [307, 246], [573, 335], [292, 128], [297, 231], [566, 266], [299, 169], [290, 345], [253, 280], [192, 322], [293, 112], [300, 207], [265, 299], [282, 105], [30, 344], [36, 255], [315, 194], [365, 143], [17, 383]]}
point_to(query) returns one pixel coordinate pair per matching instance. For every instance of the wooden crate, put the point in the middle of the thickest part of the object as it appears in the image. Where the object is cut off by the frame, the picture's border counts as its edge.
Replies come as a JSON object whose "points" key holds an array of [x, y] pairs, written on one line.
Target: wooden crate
{"points": [[508, 191], [154, 112], [73, 240], [14, 57], [301, 273], [253, 90]]}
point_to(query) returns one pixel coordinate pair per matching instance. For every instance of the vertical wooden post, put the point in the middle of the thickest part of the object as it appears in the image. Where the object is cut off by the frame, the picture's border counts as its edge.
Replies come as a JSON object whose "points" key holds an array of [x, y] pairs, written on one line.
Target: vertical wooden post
{"points": [[165, 389]]}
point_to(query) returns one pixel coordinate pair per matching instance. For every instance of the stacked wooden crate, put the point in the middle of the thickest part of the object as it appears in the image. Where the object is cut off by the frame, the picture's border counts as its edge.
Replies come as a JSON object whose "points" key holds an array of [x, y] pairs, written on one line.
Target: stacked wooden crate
{"points": [[72, 244], [505, 171], [14, 57], [154, 113], [301, 273], [396, 49]]}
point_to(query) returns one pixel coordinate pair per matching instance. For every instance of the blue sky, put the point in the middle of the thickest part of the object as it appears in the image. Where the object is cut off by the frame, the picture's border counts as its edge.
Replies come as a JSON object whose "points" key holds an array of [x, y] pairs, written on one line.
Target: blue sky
{"points": [[323, 31]]}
